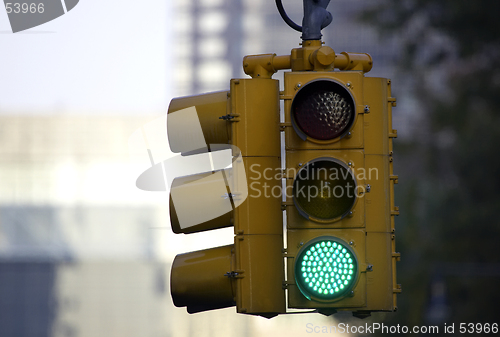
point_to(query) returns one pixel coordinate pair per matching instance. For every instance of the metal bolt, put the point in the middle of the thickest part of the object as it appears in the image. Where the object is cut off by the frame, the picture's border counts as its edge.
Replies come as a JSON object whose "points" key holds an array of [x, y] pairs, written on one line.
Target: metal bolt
{"points": [[367, 109], [351, 243], [369, 268], [349, 84], [350, 163], [300, 164], [299, 85], [368, 188], [300, 244]]}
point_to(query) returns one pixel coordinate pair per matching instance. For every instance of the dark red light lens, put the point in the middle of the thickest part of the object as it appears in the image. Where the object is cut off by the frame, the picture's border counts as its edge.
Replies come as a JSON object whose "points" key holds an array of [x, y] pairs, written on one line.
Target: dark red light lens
{"points": [[323, 110]]}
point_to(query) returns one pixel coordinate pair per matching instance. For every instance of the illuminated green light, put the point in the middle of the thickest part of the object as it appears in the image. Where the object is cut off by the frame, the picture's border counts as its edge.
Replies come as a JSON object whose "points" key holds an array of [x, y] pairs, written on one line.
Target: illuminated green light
{"points": [[331, 278]]}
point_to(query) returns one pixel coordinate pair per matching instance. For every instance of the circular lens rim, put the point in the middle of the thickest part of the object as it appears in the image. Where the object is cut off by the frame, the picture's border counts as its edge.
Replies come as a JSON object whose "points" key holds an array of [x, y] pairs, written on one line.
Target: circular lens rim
{"points": [[341, 88], [304, 289], [312, 217]]}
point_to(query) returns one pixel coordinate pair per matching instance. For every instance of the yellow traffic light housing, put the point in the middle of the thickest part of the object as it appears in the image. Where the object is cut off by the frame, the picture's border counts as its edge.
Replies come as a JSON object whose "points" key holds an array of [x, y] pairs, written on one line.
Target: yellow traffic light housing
{"points": [[248, 274], [338, 141], [340, 252], [339, 169], [336, 250]]}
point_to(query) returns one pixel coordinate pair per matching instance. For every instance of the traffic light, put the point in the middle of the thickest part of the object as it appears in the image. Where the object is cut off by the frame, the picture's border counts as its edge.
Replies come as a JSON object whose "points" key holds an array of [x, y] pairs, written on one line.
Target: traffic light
{"points": [[249, 273], [339, 184], [340, 251], [326, 240]]}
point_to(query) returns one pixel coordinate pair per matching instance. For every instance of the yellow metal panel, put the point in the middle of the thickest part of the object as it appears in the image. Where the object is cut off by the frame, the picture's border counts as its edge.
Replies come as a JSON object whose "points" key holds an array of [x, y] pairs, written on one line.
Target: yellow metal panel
{"points": [[378, 200], [258, 221], [380, 281], [377, 121], [260, 268], [261, 212], [391, 102], [255, 108]]}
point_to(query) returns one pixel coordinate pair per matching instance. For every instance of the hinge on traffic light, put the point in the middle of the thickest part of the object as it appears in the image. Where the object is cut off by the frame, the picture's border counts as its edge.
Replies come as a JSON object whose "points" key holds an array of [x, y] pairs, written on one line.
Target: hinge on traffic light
{"points": [[285, 284], [234, 274], [398, 289], [284, 252], [284, 125], [397, 256], [285, 97], [236, 196], [395, 178], [392, 100], [287, 203], [230, 117], [364, 268], [229, 196], [361, 314], [395, 211]]}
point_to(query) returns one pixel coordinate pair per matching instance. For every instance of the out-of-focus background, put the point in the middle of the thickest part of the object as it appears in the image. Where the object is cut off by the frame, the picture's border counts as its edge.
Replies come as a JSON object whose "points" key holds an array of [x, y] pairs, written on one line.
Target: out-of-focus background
{"points": [[83, 252]]}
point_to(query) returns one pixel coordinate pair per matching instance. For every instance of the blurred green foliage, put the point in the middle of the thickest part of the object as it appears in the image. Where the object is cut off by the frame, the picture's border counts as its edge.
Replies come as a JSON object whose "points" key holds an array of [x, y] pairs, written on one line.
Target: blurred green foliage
{"points": [[449, 191]]}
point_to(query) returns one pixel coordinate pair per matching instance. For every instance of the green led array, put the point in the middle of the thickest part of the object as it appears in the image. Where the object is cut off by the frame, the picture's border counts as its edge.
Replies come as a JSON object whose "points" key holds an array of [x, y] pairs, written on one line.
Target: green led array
{"points": [[325, 269]]}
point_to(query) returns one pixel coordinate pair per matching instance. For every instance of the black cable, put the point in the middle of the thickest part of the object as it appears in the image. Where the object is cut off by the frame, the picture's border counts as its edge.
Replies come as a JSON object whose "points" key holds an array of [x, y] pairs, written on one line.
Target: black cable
{"points": [[285, 17]]}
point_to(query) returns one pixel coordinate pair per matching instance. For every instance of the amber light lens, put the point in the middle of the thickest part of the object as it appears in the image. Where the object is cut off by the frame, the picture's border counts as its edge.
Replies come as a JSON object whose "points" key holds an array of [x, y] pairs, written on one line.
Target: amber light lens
{"points": [[324, 190], [323, 110]]}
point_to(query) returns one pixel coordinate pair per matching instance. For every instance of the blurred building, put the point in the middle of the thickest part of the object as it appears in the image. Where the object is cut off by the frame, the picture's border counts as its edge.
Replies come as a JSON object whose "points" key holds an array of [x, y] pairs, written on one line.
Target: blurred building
{"points": [[211, 37], [77, 253]]}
